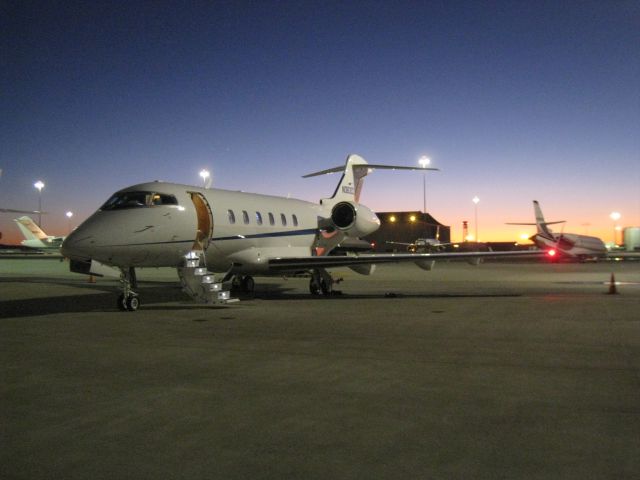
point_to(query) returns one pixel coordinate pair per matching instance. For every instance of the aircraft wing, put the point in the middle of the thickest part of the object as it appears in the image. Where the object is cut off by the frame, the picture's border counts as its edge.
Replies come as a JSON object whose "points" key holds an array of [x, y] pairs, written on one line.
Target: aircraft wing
{"points": [[305, 263]]}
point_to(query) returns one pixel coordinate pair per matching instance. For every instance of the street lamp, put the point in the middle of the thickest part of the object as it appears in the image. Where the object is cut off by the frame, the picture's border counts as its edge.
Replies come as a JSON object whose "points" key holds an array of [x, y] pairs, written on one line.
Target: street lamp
{"points": [[475, 200], [204, 173], [615, 216], [69, 215], [424, 162], [39, 185]]}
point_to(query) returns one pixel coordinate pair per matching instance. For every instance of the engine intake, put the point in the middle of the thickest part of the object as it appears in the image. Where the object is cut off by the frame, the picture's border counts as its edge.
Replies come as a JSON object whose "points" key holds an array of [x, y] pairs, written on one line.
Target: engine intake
{"points": [[343, 215], [353, 219]]}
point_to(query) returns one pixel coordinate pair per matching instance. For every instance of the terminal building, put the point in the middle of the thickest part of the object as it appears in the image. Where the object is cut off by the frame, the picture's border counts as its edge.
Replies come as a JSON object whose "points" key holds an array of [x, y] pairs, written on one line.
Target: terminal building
{"points": [[399, 229]]}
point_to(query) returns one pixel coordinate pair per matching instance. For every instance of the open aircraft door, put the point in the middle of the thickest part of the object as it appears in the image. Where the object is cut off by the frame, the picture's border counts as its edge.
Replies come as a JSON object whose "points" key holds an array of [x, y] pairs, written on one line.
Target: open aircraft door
{"points": [[204, 216]]}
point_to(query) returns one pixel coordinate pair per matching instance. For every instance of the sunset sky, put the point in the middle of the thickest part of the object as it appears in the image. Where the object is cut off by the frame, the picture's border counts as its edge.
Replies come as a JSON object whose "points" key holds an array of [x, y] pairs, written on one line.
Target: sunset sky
{"points": [[513, 101]]}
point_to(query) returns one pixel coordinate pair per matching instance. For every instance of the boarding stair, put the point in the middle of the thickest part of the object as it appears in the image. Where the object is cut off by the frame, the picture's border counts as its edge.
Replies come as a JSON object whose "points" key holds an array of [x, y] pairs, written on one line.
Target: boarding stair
{"points": [[199, 283]]}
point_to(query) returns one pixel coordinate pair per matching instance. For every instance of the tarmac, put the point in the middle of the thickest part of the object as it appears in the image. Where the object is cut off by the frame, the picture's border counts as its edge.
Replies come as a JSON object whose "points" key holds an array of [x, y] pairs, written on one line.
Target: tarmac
{"points": [[504, 370]]}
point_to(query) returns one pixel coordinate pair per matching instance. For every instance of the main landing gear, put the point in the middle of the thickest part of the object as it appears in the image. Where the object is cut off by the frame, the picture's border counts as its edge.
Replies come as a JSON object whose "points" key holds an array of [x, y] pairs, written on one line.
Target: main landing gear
{"points": [[128, 300], [322, 282], [244, 283]]}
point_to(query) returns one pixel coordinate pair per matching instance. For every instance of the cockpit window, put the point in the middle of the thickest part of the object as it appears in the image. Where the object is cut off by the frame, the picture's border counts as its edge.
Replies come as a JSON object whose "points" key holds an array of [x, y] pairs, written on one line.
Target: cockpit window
{"points": [[162, 199], [122, 200]]}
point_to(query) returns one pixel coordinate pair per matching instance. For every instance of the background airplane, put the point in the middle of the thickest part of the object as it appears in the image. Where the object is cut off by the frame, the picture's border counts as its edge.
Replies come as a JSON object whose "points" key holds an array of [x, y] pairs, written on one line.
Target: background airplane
{"points": [[201, 231], [35, 236], [568, 245]]}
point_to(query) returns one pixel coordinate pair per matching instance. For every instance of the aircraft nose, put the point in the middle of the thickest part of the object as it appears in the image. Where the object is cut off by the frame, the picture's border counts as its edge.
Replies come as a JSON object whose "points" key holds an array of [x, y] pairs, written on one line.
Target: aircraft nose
{"points": [[78, 244]]}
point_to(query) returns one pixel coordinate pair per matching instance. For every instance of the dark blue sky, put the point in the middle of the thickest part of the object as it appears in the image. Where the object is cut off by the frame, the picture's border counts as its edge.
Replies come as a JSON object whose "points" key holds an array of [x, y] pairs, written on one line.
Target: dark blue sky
{"points": [[512, 100]]}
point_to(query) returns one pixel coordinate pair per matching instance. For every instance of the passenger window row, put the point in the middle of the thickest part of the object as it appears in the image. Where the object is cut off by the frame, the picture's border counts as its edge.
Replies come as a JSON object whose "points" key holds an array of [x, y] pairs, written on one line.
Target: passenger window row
{"points": [[258, 216]]}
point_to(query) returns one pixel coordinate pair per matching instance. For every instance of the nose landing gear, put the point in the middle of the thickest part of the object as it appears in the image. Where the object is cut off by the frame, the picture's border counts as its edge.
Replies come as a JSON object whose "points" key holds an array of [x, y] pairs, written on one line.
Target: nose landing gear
{"points": [[128, 300]]}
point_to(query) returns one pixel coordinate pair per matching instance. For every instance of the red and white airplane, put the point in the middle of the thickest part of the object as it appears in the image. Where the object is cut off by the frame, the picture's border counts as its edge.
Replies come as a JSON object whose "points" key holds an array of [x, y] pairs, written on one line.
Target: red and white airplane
{"points": [[568, 245]]}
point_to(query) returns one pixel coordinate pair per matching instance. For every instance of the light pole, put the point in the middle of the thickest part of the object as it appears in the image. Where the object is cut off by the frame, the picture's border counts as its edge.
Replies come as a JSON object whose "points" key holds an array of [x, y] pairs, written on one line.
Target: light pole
{"points": [[475, 201], [615, 216], [204, 173], [424, 163], [69, 215], [39, 185]]}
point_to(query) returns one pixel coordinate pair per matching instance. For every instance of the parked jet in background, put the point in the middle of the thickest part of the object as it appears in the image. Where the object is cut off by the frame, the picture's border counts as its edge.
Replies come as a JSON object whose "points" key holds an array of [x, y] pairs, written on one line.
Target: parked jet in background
{"points": [[570, 245], [35, 237], [200, 231]]}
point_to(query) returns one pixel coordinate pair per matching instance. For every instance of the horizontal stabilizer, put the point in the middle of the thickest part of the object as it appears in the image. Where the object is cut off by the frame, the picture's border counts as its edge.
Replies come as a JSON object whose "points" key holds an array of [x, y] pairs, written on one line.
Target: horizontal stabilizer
{"points": [[368, 166], [534, 224]]}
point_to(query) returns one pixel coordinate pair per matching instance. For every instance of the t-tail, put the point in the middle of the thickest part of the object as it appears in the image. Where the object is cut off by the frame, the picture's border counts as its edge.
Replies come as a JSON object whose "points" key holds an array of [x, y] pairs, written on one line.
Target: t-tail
{"points": [[542, 228], [353, 172], [29, 229], [349, 187], [342, 214]]}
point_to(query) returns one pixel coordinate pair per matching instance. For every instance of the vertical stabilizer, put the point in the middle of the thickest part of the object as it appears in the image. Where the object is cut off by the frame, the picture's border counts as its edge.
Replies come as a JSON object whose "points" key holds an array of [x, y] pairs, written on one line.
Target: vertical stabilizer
{"points": [[29, 229], [350, 185], [355, 169], [541, 225]]}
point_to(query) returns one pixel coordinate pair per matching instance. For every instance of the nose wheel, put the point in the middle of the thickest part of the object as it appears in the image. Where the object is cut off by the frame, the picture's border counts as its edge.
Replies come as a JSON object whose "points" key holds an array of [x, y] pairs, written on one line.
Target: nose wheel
{"points": [[128, 304], [128, 300]]}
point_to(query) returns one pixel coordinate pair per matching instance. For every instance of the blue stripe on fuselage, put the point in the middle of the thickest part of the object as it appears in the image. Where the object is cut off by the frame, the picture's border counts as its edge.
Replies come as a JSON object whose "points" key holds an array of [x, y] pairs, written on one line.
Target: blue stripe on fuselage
{"points": [[291, 233]]}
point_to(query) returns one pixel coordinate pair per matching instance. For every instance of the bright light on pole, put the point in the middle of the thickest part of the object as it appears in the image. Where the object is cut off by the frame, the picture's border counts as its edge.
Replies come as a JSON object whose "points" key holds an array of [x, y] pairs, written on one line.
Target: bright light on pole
{"points": [[69, 215], [475, 200], [615, 216], [39, 185], [204, 173], [424, 162]]}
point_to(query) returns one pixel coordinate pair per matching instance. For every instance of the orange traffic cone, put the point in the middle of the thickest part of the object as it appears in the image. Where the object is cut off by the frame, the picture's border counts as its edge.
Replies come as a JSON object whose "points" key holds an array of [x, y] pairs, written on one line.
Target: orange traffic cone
{"points": [[612, 285]]}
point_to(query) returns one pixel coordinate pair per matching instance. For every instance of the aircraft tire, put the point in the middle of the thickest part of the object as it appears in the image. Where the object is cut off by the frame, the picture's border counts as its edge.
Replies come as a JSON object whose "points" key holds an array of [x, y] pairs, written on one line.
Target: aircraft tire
{"points": [[133, 303], [248, 284], [122, 304], [326, 287], [314, 288]]}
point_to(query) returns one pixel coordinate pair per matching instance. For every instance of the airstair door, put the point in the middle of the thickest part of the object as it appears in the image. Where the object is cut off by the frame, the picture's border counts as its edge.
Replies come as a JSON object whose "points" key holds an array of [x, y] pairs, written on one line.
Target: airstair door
{"points": [[204, 230]]}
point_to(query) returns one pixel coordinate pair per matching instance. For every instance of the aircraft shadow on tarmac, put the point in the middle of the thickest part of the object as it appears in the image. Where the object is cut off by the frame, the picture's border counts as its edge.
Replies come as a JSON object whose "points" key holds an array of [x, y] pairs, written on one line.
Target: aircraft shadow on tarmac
{"points": [[101, 299], [156, 296]]}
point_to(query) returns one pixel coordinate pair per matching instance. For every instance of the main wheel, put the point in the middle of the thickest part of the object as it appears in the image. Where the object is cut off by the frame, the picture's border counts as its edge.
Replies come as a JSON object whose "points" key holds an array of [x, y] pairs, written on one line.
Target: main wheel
{"points": [[314, 288], [122, 303], [133, 303], [248, 284], [326, 286]]}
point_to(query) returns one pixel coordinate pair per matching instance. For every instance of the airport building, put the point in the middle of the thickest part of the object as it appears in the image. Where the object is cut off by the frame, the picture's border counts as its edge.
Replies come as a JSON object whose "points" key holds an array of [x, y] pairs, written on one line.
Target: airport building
{"points": [[398, 229], [631, 238]]}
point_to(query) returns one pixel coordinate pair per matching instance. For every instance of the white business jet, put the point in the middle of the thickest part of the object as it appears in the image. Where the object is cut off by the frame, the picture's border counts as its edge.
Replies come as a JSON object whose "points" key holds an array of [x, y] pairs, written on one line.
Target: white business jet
{"points": [[35, 236], [202, 232], [567, 245]]}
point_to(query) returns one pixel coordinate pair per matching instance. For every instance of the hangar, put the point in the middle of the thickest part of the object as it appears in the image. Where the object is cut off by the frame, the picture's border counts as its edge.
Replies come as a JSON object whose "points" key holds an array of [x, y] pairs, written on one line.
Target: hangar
{"points": [[406, 227]]}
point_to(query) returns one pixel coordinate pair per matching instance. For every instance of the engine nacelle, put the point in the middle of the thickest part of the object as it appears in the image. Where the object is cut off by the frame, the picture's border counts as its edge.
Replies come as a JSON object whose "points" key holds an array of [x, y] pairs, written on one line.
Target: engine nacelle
{"points": [[354, 220]]}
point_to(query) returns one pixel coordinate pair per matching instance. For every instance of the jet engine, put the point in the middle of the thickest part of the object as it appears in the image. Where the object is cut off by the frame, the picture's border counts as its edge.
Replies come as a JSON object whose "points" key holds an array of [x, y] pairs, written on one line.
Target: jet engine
{"points": [[354, 220]]}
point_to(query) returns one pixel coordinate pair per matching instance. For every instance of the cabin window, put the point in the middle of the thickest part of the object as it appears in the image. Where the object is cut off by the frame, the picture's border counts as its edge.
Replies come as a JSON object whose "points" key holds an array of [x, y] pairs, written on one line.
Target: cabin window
{"points": [[295, 220], [283, 219], [232, 216], [258, 218], [245, 217], [272, 220]]}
